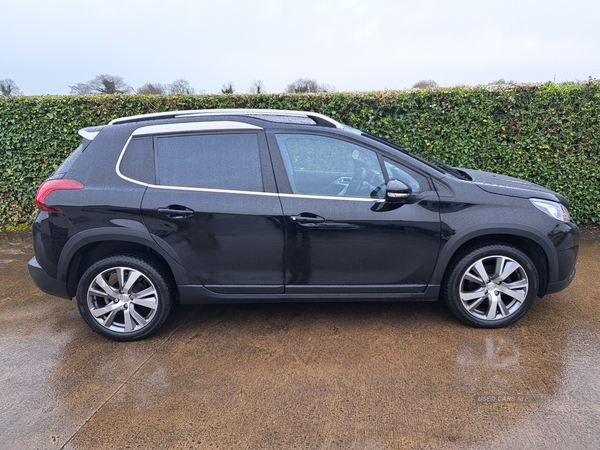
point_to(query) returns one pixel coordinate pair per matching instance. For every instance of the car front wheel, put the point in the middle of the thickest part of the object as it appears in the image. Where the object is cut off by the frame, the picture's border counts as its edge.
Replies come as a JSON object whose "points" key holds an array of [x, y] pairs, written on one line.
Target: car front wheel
{"points": [[124, 297], [491, 286]]}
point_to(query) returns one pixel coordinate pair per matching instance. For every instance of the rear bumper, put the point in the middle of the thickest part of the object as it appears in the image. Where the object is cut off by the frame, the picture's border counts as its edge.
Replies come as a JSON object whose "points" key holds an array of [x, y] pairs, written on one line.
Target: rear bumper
{"points": [[45, 282]]}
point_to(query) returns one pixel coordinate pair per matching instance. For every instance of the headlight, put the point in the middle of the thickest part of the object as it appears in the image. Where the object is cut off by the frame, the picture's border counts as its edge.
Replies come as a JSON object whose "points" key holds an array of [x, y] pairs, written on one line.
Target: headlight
{"points": [[553, 209]]}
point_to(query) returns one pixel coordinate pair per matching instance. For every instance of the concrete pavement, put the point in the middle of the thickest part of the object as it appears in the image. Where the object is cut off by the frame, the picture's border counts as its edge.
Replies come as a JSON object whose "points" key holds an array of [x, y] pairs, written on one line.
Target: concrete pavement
{"points": [[339, 376]]}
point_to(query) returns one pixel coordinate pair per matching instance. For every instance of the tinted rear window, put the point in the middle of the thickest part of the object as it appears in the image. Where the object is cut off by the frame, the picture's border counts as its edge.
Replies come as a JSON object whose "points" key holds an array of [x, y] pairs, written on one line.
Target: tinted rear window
{"points": [[215, 161], [138, 160]]}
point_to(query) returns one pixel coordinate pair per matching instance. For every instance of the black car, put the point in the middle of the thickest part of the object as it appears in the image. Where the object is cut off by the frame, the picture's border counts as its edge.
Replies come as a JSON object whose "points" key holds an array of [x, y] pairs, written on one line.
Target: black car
{"points": [[216, 206]]}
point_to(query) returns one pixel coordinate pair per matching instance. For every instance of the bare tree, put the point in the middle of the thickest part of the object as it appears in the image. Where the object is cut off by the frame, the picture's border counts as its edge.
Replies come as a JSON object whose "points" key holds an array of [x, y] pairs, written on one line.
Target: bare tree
{"points": [[81, 89], [228, 88], [8, 88], [257, 87], [501, 82], [180, 86], [304, 85], [425, 84], [152, 88], [102, 84]]}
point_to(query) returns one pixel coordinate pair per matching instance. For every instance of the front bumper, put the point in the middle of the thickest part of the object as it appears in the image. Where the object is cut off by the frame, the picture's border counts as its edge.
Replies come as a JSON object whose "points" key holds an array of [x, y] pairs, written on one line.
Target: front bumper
{"points": [[560, 285], [566, 242]]}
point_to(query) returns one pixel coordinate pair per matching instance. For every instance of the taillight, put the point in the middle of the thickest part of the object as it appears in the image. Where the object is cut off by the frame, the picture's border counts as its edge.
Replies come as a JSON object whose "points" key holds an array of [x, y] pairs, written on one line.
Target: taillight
{"points": [[47, 187]]}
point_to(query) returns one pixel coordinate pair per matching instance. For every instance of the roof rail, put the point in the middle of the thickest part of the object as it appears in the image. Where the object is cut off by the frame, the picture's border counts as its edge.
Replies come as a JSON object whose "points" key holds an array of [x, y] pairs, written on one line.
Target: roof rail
{"points": [[319, 119]]}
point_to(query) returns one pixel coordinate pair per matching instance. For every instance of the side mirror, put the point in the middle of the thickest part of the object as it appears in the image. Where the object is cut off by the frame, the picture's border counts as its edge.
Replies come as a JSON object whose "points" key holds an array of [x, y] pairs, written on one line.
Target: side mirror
{"points": [[396, 191]]}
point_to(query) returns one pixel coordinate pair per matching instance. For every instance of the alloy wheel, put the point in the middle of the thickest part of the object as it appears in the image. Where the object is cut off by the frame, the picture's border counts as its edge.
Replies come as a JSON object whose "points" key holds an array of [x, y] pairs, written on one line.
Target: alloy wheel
{"points": [[494, 287]]}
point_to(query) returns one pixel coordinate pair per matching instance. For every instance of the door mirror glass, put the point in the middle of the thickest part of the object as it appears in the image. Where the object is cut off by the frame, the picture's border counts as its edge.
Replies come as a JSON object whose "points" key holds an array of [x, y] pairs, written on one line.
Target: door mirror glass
{"points": [[397, 191]]}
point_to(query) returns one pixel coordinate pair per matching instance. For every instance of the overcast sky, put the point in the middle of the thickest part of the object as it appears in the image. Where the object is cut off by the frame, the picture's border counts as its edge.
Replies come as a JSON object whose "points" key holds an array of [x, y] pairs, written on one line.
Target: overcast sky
{"points": [[353, 45]]}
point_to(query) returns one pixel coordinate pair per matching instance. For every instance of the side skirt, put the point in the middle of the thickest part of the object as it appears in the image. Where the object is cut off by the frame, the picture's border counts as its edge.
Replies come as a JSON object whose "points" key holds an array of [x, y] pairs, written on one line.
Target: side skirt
{"points": [[198, 294]]}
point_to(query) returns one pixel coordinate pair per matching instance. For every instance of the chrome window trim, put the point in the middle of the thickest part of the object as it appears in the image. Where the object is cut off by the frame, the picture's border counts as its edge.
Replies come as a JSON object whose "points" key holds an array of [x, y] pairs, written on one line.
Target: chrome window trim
{"points": [[264, 194], [326, 197], [230, 191], [183, 127]]}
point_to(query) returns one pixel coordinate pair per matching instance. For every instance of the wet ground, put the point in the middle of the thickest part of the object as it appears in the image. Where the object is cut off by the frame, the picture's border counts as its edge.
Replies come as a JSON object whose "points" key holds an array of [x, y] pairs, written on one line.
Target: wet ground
{"points": [[339, 376]]}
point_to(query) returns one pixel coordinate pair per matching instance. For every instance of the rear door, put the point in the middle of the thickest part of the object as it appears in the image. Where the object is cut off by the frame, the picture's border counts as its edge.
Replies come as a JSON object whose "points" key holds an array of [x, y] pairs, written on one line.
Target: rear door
{"points": [[215, 205]]}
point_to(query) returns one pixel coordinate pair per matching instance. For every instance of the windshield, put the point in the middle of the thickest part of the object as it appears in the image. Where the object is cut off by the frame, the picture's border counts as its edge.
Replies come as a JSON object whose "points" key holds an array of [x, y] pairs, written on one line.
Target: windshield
{"points": [[425, 159]]}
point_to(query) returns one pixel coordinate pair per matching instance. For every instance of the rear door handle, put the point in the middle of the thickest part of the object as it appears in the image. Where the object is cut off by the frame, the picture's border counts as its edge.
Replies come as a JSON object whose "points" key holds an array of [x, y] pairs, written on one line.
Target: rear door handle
{"points": [[176, 211]]}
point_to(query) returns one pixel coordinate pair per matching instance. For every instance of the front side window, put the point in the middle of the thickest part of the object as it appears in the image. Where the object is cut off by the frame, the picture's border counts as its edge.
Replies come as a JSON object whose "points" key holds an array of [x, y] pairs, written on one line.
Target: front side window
{"points": [[214, 161], [409, 177], [319, 165]]}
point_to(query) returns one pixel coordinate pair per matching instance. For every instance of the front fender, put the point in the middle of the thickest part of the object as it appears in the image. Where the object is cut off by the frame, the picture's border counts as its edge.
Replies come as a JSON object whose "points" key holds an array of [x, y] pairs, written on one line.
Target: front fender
{"points": [[494, 231]]}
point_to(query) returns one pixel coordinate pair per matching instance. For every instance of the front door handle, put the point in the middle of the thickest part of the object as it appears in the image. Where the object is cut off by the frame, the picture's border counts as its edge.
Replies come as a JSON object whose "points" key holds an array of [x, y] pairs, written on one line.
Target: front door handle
{"points": [[176, 211], [307, 218]]}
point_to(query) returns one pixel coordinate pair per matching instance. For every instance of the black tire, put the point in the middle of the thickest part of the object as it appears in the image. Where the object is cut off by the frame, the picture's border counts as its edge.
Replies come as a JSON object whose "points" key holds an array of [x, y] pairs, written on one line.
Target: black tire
{"points": [[491, 286], [109, 298]]}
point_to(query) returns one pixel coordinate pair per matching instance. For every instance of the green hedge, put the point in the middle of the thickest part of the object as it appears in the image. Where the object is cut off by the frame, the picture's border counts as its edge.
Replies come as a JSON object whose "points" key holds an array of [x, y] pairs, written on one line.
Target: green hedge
{"points": [[548, 134]]}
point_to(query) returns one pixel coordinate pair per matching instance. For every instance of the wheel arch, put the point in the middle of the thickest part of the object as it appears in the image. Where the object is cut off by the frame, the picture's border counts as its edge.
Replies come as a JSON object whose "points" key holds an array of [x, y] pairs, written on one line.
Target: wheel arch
{"points": [[530, 241], [85, 248]]}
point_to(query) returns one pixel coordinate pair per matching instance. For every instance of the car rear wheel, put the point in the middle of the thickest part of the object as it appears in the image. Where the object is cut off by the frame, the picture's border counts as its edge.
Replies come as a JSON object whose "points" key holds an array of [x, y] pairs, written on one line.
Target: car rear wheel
{"points": [[491, 286], [124, 297]]}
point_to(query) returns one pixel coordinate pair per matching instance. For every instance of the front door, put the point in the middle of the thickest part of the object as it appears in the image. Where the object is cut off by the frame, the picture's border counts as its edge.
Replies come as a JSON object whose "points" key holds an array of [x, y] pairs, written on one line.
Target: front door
{"points": [[340, 234]]}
